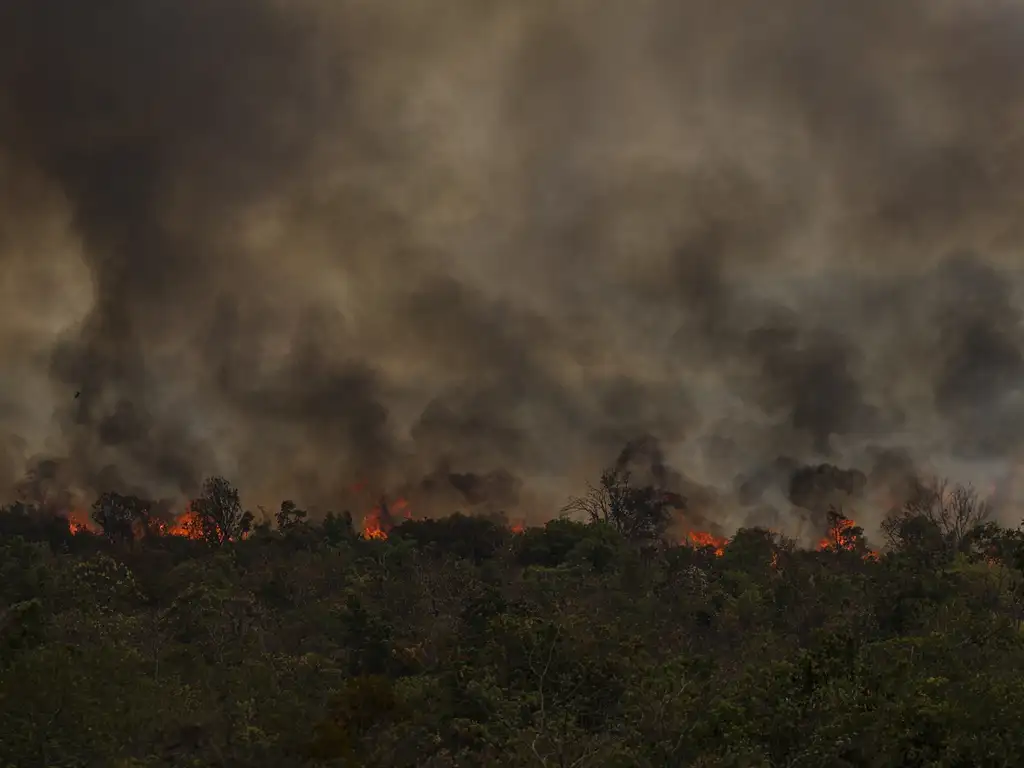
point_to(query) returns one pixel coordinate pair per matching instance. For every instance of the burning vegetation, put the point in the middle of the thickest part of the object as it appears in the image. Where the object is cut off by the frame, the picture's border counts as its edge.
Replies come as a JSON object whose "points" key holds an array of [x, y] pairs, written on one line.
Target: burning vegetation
{"points": [[639, 512], [704, 539], [462, 256], [383, 517], [638, 499], [362, 628]]}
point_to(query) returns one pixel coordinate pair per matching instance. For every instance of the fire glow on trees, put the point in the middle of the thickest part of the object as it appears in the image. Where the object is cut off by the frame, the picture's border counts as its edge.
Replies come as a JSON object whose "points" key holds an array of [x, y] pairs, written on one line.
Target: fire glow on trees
{"points": [[79, 522], [185, 525], [702, 539], [841, 535], [844, 535], [379, 521]]}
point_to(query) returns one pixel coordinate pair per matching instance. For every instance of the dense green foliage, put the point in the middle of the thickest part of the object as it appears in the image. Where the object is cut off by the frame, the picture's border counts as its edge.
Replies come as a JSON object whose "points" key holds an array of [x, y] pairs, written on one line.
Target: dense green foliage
{"points": [[458, 643]]}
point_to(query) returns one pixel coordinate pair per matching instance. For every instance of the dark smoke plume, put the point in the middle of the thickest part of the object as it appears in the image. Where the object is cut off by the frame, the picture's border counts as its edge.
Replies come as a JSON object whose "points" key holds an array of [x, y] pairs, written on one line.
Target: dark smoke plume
{"points": [[307, 244]]}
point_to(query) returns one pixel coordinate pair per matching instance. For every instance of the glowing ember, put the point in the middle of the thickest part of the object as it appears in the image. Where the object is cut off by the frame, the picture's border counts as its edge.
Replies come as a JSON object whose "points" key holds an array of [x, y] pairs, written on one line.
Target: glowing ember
{"points": [[79, 523], [517, 526], [704, 539]]}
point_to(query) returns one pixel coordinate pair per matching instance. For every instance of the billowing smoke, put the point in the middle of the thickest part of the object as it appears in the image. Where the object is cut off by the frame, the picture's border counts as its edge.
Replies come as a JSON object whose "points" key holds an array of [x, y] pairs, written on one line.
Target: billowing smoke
{"points": [[475, 248]]}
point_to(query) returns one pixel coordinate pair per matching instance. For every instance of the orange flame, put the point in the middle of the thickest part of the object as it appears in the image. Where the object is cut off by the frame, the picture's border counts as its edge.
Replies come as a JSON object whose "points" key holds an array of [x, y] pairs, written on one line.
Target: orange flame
{"points": [[79, 522], [186, 525], [371, 525], [379, 521], [704, 539], [841, 538]]}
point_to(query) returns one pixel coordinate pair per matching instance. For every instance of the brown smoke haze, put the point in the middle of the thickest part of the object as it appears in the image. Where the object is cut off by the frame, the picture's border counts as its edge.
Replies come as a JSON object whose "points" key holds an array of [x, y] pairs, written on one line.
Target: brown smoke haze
{"points": [[474, 248]]}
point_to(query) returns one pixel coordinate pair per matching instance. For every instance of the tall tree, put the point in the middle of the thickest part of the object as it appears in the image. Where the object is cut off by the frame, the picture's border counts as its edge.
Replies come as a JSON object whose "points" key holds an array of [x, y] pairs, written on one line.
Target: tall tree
{"points": [[951, 513], [218, 512], [639, 513]]}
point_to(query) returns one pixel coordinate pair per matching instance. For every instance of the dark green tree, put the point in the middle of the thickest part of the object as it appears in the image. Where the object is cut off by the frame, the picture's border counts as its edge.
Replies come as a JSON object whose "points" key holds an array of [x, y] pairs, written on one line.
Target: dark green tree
{"points": [[289, 516], [120, 517]]}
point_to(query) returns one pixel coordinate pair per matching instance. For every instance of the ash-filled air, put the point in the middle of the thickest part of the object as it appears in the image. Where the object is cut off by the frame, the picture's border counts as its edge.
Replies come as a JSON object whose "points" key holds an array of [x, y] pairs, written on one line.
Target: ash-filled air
{"points": [[474, 248]]}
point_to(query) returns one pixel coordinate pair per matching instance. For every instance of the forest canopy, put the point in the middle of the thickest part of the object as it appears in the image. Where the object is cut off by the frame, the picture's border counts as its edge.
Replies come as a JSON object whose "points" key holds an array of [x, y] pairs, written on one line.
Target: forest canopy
{"points": [[227, 639]]}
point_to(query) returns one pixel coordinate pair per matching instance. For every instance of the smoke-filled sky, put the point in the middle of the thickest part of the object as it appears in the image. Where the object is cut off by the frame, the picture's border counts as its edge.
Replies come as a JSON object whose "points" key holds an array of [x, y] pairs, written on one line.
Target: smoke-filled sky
{"points": [[308, 243]]}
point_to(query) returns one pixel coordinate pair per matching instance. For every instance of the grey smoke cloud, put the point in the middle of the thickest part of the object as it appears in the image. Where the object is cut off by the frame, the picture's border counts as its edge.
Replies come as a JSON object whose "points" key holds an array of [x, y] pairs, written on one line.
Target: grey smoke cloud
{"points": [[311, 243]]}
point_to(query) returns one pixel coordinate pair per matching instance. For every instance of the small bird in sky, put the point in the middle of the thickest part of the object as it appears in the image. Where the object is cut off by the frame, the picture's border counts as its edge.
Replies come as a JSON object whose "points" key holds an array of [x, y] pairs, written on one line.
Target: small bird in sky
{"points": [[77, 394]]}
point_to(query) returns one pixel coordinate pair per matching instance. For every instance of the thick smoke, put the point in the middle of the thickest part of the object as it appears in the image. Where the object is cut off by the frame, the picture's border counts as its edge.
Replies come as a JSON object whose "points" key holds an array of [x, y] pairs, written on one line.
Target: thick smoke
{"points": [[475, 248]]}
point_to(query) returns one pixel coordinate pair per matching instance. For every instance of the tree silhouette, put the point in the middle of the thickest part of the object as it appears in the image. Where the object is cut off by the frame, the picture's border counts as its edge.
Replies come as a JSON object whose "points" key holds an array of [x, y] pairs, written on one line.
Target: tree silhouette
{"points": [[289, 516], [843, 534], [121, 516], [945, 515], [637, 513], [218, 512]]}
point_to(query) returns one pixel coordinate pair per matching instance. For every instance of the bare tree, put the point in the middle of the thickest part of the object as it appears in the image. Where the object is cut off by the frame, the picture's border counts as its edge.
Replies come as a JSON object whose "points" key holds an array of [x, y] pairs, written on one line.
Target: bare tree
{"points": [[953, 512], [638, 513]]}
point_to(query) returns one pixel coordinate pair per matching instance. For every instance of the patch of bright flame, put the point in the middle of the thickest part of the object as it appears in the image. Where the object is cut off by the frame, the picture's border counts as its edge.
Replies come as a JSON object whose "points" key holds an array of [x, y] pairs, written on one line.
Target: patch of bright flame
{"points": [[379, 521], [187, 525], [371, 525], [79, 522], [705, 539], [841, 538]]}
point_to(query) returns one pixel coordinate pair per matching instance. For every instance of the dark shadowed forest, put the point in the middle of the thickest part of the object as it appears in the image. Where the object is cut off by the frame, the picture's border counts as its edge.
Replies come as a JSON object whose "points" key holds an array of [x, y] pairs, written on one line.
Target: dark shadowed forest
{"points": [[237, 639]]}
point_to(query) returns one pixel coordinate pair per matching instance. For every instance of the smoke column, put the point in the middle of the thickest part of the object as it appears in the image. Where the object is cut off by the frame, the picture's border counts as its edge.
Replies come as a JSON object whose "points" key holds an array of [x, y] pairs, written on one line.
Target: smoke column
{"points": [[312, 242]]}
